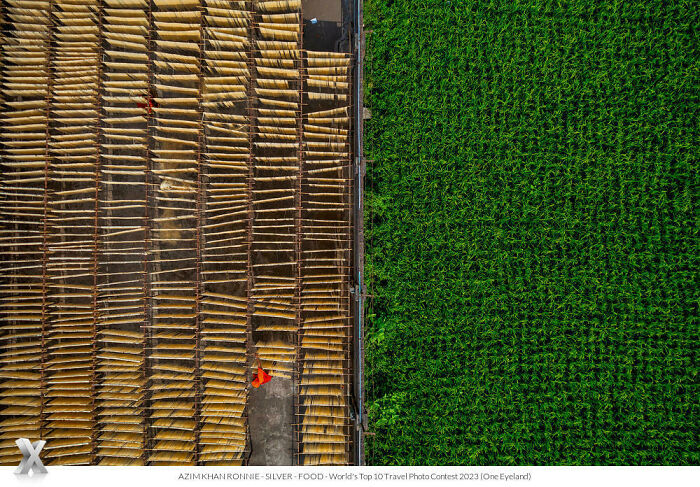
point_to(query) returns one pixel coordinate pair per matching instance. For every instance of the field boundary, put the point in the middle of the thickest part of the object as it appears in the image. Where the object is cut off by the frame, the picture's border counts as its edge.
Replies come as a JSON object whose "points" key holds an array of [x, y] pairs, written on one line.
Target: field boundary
{"points": [[358, 216]]}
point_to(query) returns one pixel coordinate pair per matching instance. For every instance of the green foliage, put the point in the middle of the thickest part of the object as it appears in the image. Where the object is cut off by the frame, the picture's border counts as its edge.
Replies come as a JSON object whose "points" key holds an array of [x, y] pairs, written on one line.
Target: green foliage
{"points": [[532, 232]]}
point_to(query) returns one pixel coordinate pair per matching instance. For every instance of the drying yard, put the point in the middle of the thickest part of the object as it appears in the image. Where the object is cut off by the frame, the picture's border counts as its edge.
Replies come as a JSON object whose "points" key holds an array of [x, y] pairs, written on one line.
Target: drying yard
{"points": [[176, 201]]}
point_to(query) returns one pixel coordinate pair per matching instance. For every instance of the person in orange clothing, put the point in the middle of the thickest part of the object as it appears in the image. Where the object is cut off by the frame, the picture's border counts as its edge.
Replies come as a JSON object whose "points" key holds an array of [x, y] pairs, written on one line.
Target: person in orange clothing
{"points": [[262, 376]]}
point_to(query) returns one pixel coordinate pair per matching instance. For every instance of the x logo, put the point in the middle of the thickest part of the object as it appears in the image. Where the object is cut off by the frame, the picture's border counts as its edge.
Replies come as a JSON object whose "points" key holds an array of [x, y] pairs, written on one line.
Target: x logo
{"points": [[31, 460]]}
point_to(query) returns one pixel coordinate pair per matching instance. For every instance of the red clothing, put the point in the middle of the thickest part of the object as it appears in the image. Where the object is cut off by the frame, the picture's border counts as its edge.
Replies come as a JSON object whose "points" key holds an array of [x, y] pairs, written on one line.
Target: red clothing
{"points": [[262, 378], [150, 104]]}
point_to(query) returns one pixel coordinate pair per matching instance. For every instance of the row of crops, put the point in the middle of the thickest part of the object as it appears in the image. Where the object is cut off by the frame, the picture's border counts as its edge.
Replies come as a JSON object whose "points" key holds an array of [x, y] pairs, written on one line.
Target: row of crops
{"points": [[532, 232]]}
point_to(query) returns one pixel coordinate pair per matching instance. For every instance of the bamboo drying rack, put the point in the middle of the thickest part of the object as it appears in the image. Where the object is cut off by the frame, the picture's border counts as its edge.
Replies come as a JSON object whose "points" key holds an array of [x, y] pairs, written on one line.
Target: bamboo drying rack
{"points": [[151, 152]]}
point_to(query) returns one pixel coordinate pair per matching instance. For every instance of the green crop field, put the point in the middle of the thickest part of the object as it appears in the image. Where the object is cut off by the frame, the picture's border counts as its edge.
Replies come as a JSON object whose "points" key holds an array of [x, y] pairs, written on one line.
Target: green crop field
{"points": [[532, 232]]}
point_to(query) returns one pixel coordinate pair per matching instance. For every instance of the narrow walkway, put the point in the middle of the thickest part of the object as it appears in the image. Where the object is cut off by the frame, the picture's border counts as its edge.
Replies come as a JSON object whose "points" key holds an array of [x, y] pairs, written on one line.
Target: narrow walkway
{"points": [[271, 414]]}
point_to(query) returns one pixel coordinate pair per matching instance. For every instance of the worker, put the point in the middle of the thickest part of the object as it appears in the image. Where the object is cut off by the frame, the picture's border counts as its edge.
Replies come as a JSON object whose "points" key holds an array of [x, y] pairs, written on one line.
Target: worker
{"points": [[262, 376]]}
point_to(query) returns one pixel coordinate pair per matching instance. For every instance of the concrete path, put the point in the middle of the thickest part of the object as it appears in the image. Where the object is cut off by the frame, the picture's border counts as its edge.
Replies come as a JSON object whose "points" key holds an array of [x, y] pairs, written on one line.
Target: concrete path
{"points": [[270, 416]]}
